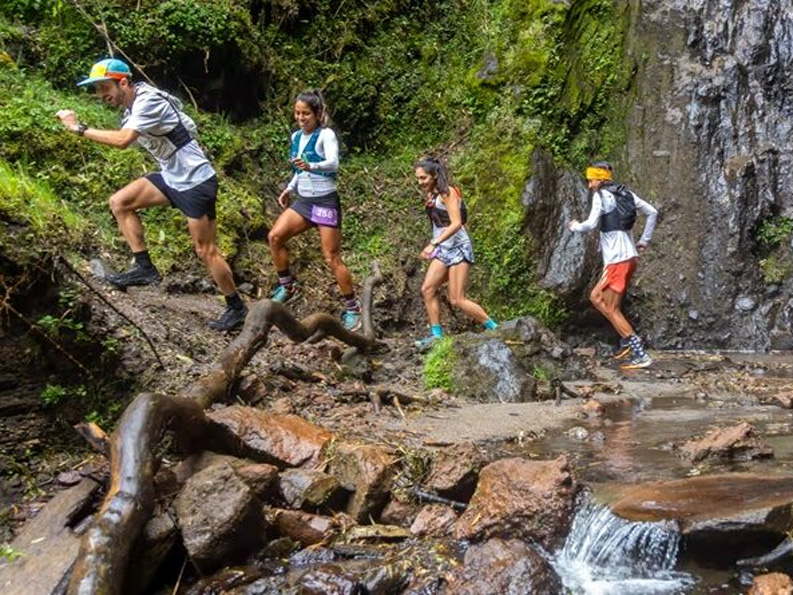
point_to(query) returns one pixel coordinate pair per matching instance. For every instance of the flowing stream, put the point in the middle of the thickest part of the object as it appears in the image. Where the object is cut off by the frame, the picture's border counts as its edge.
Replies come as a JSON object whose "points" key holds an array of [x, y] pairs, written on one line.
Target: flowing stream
{"points": [[604, 554]]}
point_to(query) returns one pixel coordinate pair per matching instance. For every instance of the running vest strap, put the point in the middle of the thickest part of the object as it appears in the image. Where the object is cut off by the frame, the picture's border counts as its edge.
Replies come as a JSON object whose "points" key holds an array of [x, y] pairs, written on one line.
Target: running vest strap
{"points": [[623, 215], [440, 217], [308, 154], [179, 135]]}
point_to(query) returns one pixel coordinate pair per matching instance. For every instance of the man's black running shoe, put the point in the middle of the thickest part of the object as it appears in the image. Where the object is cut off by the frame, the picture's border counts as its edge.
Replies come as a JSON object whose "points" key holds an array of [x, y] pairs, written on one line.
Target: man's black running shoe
{"points": [[230, 319], [136, 275]]}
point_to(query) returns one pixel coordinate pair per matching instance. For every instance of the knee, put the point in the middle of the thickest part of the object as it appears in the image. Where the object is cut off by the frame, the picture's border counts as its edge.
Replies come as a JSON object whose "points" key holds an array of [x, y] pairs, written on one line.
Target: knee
{"points": [[332, 259], [116, 204], [428, 291], [206, 252], [276, 239], [456, 300], [596, 298]]}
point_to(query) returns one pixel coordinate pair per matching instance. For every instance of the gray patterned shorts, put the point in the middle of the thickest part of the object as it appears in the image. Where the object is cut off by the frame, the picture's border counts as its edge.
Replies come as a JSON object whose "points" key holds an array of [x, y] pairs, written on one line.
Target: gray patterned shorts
{"points": [[458, 250]]}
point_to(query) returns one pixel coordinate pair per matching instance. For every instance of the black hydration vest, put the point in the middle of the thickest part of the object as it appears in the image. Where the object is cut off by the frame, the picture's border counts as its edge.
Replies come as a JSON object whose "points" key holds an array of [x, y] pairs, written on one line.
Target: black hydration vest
{"points": [[179, 136], [623, 216], [441, 218]]}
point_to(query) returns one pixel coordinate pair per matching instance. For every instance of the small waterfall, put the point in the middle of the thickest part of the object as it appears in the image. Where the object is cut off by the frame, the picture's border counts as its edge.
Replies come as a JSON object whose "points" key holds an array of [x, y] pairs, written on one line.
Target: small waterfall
{"points": [[604, 555]]}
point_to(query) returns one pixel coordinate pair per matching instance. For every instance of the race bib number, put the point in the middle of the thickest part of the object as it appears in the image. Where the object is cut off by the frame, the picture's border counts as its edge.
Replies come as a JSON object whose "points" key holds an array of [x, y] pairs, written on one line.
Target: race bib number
{"points": [[324, 216]]}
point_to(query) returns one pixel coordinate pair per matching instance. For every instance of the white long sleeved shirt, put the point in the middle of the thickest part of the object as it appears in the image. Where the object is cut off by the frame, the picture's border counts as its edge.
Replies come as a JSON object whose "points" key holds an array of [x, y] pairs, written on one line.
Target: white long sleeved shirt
{"points": [[306, 183], [617, 246]]}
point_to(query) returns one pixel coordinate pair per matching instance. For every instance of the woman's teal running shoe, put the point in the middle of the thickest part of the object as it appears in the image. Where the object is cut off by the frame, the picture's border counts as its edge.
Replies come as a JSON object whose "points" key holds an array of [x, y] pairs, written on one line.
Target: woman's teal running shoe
{"points": [[351, 319], [286, 293]]}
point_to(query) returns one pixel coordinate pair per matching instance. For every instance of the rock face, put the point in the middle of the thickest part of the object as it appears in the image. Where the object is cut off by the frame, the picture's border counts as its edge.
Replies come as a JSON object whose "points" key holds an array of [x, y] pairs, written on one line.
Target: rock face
{"points": [[708, 140], [519, 498], [504, 566]]}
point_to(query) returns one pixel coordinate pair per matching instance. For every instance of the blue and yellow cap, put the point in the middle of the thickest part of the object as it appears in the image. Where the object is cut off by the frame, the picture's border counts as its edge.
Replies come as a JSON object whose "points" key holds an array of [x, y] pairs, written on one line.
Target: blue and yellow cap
{"points": [[110, 69]]}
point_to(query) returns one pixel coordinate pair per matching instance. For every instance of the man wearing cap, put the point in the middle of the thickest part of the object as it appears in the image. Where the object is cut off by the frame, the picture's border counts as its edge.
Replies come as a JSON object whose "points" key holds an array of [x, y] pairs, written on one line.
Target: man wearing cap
{"points": [[614, 209], [154, 120]]}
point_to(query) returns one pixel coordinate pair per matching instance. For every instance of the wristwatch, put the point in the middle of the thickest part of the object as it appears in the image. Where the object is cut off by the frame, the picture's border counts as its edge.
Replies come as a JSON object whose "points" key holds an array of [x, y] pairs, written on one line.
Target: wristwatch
{"points": [[81, 128], [434, 242]]}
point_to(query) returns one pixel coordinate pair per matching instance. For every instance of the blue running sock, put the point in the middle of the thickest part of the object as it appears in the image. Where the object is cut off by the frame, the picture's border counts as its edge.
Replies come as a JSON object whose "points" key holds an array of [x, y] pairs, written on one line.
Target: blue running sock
{"points": [[490, 324], [636, 346], [436, 330]]}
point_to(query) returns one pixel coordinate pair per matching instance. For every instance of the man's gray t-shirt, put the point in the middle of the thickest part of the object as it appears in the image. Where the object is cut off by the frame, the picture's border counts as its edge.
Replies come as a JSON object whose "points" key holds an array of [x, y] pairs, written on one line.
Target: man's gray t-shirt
{"points": [[155, 113]]}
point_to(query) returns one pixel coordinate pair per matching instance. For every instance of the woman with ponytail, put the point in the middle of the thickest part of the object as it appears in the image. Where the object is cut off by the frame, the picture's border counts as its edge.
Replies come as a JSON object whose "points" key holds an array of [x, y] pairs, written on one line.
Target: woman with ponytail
{"points": [[314, 155], [450, 250]]}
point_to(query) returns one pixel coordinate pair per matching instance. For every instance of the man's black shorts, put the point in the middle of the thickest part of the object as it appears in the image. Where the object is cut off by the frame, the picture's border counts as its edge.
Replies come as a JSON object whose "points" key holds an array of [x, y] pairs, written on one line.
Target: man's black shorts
{"points": [[195, 202]]}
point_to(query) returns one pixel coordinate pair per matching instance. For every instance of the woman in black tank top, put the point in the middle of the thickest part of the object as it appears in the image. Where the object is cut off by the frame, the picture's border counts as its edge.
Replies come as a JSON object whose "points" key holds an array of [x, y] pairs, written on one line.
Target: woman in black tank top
{"points": [[450, 251]]}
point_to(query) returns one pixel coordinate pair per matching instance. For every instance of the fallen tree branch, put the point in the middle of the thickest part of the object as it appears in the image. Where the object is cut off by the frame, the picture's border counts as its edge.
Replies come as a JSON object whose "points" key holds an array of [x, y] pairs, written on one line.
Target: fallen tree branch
{"points": [[780, 552], [105, 547]]}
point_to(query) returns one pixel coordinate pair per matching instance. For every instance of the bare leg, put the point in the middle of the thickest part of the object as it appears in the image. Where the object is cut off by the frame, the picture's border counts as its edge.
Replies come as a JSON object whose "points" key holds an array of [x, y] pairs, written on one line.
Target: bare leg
{"points": [[124, 205], [437, 273], [289, 224], [203, 232], [458, 279], [607, 301], [330, 238]]}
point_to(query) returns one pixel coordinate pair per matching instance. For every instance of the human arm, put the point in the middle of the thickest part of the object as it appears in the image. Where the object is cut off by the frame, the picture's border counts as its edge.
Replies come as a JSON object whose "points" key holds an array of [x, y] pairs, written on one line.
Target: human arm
{"points": [[452, 203], [115, 138], [328, 145], [651, 214], [592, 220]]}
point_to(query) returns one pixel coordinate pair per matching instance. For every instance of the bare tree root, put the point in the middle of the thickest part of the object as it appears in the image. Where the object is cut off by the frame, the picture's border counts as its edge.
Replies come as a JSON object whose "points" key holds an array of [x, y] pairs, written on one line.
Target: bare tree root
{"points": [[105, 547]]}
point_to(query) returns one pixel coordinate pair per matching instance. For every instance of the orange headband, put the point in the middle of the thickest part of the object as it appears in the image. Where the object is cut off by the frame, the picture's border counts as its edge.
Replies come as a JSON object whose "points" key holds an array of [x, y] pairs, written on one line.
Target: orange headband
{"points": [[597, 173]]}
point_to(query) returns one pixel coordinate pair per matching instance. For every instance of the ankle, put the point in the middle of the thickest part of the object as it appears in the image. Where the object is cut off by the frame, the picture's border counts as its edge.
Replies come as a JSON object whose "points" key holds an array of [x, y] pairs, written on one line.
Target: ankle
{"points": [[436, 330]]}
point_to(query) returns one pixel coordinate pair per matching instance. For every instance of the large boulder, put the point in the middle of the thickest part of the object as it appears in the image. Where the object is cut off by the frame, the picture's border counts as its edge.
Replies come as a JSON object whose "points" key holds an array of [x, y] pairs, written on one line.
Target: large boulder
{"points": [[487, 370], [519, 498], [504, 566], [282, 440], [436, 520], [729, 517], [219, 517]]}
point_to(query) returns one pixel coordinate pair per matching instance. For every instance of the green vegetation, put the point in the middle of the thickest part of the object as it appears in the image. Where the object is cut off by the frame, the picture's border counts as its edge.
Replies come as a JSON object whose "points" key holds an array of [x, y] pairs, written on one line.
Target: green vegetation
{"points": [[484, 83], [9, 553], [772, 238], [439, 365]]}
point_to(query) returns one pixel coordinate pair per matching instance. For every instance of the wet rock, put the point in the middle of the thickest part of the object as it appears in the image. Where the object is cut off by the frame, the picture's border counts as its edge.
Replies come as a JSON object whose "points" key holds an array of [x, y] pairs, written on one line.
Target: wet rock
{"points": [[302, 527], [774, 583], [219, 517], [504, 566], [310, 489], [593, 408], [367, 471], [260, 477], [723, 518], [240, 580], [454, 472], [734, 443], [520, 498], [329, 579], [283, 440], [399, 513], [436, 520], [784, 399], [487, 370], [578, 433], [157, 540]]}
